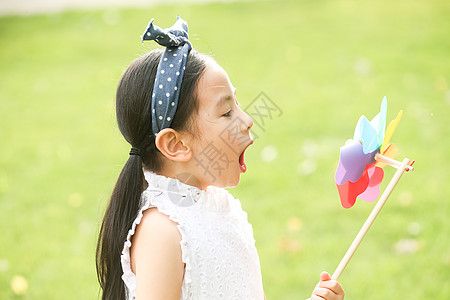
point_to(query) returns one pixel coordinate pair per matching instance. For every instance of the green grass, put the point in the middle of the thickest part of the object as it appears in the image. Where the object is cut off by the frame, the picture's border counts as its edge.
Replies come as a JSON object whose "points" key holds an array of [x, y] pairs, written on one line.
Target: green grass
{"points": [[324, 63]]}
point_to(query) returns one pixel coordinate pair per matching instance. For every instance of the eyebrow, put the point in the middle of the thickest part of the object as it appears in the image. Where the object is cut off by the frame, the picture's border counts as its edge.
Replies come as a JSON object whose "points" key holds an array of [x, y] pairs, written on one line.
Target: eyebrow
{"points": [[225, 98]]}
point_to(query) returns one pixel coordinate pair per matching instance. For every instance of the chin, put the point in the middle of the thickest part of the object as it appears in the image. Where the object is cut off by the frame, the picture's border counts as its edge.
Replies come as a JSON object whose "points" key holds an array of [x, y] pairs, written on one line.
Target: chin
{"points": [[232, 182], [236, 182]]}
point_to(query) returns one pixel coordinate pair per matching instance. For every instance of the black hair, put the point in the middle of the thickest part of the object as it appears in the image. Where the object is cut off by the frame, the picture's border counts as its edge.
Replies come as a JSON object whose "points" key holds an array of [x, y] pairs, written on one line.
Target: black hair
{"points": [[133, 104]]}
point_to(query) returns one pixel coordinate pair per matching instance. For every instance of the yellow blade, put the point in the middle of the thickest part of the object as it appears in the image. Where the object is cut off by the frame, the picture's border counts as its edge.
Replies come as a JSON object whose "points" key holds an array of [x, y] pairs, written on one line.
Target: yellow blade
{"points": [[391, 152], [390, 131]]}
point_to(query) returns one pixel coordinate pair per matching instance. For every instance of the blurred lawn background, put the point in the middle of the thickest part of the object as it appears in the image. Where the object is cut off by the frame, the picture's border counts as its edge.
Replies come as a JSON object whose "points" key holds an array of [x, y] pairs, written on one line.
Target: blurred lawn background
{"points": [[324, 63]]}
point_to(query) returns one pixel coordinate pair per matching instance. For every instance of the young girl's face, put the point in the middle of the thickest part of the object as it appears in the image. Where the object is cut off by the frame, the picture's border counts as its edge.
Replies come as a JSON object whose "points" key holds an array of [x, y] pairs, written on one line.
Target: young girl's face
{"points": [[222, 130]]}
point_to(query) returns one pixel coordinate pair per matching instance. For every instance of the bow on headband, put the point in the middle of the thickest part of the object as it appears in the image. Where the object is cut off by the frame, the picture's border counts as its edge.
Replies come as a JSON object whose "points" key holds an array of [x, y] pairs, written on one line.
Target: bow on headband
{"points": [[166, 88]]}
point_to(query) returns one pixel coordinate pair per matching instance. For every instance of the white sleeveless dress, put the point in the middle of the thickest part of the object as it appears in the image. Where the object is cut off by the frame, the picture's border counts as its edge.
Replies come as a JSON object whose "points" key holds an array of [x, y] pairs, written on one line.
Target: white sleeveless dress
{"points": [[217, 243]]}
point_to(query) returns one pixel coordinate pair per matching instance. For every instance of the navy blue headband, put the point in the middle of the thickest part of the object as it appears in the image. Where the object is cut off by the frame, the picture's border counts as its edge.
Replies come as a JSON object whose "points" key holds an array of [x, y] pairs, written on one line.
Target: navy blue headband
{"points": [[166, 89]]}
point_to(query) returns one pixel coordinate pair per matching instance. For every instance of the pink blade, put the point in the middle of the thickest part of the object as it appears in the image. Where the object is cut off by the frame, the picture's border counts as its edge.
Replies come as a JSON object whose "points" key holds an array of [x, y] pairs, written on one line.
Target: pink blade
{"points": [[376, 175]]}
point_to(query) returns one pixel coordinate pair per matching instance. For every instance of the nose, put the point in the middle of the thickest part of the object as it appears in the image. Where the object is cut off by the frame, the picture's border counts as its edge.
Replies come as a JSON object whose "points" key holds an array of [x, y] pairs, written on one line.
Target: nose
{"points": [[247, 121]]}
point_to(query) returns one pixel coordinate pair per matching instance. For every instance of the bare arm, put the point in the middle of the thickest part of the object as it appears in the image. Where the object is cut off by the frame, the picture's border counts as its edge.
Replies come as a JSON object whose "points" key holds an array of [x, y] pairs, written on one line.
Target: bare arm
{"points": [[156, 258]]}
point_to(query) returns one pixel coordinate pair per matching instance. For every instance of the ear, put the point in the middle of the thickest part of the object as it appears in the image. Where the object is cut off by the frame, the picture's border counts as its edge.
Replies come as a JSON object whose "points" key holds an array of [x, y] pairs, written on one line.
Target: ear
{"points": [[173, 145]]}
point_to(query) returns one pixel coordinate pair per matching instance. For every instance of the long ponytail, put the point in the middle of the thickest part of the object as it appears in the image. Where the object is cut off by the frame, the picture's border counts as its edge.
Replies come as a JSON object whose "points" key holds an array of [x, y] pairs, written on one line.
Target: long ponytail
{"points": [[133, 102], [117, 219]]}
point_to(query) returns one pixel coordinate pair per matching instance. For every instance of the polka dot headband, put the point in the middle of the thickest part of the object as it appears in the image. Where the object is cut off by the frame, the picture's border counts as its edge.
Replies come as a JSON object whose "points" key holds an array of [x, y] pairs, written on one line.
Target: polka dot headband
{"points": [[166, 89]]}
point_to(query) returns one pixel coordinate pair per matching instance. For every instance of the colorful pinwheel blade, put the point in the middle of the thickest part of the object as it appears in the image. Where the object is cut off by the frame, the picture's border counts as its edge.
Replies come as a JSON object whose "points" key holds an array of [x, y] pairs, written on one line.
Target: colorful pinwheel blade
{"points": [[350, 190], [366, 134], [379, 121], [372, 192], [390, 131], [352, 163]]}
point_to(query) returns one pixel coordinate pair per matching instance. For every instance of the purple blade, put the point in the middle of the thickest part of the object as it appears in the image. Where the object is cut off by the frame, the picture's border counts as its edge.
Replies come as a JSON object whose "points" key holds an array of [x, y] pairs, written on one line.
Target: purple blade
{"points": [[352, 163]]}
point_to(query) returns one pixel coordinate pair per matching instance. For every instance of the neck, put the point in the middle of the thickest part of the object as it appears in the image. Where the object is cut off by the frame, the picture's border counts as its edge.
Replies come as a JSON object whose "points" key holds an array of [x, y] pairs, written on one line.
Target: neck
{"points": [[181, 171]]}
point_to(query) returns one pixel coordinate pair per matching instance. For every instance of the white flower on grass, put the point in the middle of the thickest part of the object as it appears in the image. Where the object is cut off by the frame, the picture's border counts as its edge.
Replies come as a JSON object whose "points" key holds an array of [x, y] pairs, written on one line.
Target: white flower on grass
{"points": [[310, 148], [307, 167], [406, 246], [269, 153], [4, 265], [362, 66], [414, 228]]}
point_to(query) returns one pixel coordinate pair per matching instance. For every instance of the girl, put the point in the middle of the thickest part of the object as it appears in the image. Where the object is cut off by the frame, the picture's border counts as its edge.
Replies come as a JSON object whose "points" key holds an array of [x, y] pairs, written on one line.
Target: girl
{"points": [[170, 230]]}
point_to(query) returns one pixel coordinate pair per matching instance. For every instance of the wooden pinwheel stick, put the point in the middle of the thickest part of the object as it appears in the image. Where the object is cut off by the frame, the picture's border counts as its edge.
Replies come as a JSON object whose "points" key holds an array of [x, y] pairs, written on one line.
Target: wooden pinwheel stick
{"points": [[400, 170], [392, 162]]}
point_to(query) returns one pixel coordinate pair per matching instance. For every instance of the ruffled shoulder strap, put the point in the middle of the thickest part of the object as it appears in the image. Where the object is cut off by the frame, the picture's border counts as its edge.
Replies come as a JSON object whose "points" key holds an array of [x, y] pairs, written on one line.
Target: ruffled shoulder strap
{"points": [[128, 277]]}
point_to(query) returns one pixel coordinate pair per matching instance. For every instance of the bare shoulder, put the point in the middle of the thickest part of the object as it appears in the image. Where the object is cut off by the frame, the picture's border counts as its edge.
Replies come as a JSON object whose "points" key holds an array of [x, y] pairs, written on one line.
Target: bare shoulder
{"points": [[155, 232], [158, 225], [156, 256]]}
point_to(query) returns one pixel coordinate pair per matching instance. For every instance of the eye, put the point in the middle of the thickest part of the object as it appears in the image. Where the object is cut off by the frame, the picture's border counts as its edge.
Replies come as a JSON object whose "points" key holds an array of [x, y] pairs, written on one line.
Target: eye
{"points": [[228, 114]]}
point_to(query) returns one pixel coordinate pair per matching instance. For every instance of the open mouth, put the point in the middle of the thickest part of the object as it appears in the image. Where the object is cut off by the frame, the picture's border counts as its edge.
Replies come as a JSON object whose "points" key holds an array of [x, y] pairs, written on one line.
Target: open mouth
{"points": [[241, 159]]}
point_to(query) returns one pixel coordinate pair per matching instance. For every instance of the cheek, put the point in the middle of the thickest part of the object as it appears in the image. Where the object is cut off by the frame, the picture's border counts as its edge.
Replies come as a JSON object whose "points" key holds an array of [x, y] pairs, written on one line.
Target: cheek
{"points": [[200, 136]]}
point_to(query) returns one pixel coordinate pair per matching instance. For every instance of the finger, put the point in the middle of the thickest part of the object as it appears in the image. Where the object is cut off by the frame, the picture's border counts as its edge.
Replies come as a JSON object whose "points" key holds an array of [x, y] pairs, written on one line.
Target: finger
{"points": [[324, 293], [332, 285], [315, 297], [324, 276]]}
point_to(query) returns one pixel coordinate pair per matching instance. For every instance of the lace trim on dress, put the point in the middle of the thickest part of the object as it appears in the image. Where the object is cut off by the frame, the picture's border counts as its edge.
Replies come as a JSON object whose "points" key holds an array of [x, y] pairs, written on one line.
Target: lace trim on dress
{"points": [[128, 276]]}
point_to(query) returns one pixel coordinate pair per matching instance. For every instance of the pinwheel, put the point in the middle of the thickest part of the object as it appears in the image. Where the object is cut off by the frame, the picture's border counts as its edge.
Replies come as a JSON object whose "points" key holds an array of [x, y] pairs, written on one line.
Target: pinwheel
{"points": [[360, 170], [358, 174]]}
